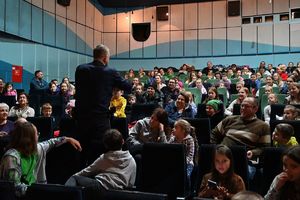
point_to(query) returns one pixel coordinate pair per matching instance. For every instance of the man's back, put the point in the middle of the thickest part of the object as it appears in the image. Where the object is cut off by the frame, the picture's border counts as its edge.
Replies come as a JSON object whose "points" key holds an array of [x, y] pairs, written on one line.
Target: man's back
{"points": [[94, 84]]}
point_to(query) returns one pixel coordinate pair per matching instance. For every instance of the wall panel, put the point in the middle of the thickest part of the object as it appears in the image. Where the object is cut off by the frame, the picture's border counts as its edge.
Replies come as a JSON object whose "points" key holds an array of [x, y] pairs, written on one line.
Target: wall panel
{"points": [[234, 44], [123, 45], [295, 37], [97, 38], [110, 23], [190, 13], [109, 39], [219, 42], [52, 63], [12, 16], [38, 3], [164, 25], [265, 38], [294, 3], [176, 16], [49, 28], [80, 39], [61, 10], [136, 48], [281, 38], [249, 7], [264, 7], [49, 5], [2, 12], [25, 20], [176, 43], [219, 14], [205, 15], [123, 22], [98, 20], [37, 24], [80, 11], [190, 43], [150, 16], [205, 42], [71, 35], [71, 10], [89, 14], [163, 44], [61, 32], [150, 46], [136, 16], [89, 41], [249, 39], [280, 6], [63, 64]]}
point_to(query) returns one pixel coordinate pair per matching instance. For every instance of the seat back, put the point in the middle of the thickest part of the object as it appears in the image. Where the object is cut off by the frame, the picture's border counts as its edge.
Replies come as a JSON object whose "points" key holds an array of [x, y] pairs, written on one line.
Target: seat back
{"points": [[62, 163], [272, 166], [67, 127], [140, 111], [164, 169], [132, 195], [51, 191], [121, 125], [7, 190], [202, 129], [9, 100], [197, 94], [43, 125]]}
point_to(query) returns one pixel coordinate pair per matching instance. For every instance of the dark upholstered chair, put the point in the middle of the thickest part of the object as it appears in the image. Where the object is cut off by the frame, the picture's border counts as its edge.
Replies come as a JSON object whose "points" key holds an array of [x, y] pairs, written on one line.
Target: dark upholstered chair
{"points": [[7, 190], [164, 169], [132, 195]]}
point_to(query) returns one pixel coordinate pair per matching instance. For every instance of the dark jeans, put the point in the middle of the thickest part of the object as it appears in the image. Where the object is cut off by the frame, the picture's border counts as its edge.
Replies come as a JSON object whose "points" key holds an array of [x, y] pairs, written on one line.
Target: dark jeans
{"points": [[93, 188], [91, 131]]}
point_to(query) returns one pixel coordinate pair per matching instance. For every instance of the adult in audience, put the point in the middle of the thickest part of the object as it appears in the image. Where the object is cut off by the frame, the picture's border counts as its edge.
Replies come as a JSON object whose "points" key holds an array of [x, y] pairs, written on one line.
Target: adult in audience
{"points": [[179, 109], [170, 92], [286, 184], [94, 83], [294, 91], [115, 169], [153, 129], [2, 85], [6, 126], [22, 109], [245, 129], [153, 96], [209, 66], [38, 85], [71, 87]]}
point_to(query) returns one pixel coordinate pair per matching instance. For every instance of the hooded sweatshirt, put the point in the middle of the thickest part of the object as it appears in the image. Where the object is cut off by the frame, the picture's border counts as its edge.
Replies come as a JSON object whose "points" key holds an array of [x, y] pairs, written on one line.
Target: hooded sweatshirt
{"points": [[113, 170]]}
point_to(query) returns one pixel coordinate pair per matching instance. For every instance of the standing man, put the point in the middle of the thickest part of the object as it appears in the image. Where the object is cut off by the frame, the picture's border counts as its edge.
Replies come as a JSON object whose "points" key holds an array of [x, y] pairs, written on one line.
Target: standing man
{"points": [[38, 85], [94, 84]]}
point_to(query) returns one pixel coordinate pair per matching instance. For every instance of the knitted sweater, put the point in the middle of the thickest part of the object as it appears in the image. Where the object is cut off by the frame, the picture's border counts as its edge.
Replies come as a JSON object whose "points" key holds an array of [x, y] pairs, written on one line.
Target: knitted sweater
{"points": [[234, 130]]}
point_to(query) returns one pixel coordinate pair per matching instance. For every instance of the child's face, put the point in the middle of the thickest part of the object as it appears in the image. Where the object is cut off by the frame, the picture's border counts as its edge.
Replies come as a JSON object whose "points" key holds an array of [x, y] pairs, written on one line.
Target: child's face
{"points": [[47, 112], [238, 87], [294, 91], [288, 114], [138, 89], [154, 123], [211, 94], [198, 83], [117, 93], [292, 168], [132, 101], [150, 91], [210, 111], [9, 87], [63, 88], [242, 94], [277, 136], [268, 90], [272, 99], [222, 163], [178, 131]]}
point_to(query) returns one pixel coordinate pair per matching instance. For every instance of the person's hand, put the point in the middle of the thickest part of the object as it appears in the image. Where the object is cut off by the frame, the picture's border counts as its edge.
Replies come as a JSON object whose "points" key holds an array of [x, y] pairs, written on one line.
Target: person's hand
{"points": [[74, 143], [249, 154], [208, 192], [161, 127], [222, 192], [283, 177], [3, 133]]}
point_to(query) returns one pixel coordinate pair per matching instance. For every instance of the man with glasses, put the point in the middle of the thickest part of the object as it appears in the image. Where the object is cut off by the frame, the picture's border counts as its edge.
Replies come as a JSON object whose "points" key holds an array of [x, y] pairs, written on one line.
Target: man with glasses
{"points": [[170, 92], [245, 129]]}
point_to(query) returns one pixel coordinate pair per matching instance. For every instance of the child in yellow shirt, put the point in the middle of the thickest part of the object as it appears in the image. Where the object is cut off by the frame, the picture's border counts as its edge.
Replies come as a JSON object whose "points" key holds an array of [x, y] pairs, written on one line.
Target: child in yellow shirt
{"points": [[283, 135], [119, 103]]}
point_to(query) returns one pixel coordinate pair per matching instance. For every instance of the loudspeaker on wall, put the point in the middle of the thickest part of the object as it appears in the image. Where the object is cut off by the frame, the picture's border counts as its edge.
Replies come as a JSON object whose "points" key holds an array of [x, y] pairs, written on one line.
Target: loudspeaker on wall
{"points": [[162, 13], [234, 8], [64, 2]]}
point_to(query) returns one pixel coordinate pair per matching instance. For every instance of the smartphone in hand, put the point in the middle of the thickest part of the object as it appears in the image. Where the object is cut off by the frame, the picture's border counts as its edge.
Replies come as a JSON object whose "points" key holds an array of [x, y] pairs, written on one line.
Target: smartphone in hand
{"points": [[212, 184]]}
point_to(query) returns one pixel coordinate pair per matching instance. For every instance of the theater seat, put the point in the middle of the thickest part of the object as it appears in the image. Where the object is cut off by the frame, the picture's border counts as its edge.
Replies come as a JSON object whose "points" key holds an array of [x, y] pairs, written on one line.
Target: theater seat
{"points": [[132, 195], [43, 125], [202, 129], [164, 169], [272, 166], [54, 192], [7, 190], [139, 111]]}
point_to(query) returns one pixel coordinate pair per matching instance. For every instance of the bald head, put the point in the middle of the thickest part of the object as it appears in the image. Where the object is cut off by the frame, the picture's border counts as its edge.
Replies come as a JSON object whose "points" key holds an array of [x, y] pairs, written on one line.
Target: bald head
{"points": [[101, 53]]}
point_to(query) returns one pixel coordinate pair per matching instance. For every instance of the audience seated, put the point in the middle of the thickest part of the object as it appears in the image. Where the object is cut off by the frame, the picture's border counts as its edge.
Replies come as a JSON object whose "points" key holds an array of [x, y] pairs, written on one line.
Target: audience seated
{"points": [[22, 109]]}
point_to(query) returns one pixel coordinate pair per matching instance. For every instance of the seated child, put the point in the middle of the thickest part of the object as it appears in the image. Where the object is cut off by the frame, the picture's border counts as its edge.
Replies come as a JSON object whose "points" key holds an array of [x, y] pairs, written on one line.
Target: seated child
{"points": [[215, 112], [119, 103], [227, 182], [286, 184], [115, 169], [184, 133], [289, 113], [272, 99], [283, 136]]}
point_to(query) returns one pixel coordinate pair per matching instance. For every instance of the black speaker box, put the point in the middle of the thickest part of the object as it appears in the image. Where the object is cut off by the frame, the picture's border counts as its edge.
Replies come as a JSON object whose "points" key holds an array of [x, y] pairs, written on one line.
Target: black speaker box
{"points": [[141, 31], [162, 13], [64, 2], [234, 8]]}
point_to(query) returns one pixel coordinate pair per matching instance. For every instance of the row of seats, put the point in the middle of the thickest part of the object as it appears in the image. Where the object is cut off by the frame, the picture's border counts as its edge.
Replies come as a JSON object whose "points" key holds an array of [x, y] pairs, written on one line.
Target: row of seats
{"points": [[162, 168]]}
